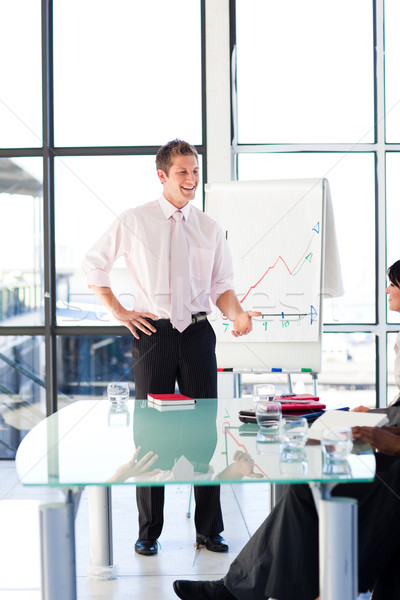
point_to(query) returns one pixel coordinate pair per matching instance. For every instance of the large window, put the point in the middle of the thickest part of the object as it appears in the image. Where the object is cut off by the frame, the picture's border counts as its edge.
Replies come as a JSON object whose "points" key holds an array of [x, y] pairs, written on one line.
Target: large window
{"points": [[87, 99], [131, 77], [22, 389], [20, 74], [21, 242], [305, 71], [392, 63], [309, 103]]}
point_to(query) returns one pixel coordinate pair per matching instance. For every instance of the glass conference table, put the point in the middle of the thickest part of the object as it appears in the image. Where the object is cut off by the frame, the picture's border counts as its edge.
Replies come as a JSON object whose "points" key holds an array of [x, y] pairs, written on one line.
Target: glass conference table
{"points": [[91, 443]]}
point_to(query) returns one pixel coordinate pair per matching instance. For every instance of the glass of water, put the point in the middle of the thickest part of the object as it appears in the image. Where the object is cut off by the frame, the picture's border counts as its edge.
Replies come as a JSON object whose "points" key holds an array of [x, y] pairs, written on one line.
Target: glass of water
{"points": [[264, 392], [118, 392], [269, 415], [337, 443], [293, 465], [294, 432]]}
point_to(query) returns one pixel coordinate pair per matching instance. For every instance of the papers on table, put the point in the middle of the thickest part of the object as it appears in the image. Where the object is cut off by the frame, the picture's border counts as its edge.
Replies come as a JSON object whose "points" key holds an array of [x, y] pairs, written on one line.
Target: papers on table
{"points": [[340, 418]]}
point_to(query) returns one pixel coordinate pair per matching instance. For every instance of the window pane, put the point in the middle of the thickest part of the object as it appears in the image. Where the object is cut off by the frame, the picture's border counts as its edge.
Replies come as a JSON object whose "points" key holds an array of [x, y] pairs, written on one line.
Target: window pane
{"points": [[392, 67], [392, 216], [90, 193], [20, 74], [352, 184], [132, 74], [22, 389], [348, 374], [305, 71], [21, 242], [87, 363]]}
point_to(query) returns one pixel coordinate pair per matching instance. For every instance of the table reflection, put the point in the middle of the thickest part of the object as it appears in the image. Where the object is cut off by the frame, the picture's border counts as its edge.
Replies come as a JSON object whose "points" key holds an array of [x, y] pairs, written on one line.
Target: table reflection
{"points": [[179, 442]]}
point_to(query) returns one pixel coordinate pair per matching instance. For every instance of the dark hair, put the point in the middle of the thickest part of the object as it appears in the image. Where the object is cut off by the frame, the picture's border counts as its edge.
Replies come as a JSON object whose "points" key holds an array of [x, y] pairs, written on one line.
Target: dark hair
{"points": [[169, 151], [393, 273]]}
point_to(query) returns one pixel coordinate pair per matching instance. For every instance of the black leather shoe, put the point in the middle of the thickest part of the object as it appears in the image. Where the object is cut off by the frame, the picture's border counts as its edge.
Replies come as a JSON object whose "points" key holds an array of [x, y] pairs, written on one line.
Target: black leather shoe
{"points": [[215, 543], [146, 547], [202, 590]]}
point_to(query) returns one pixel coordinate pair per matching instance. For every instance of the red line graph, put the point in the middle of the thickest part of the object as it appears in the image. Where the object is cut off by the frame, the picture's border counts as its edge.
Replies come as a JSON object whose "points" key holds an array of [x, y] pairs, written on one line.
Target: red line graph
{"points": [[280, 258]]}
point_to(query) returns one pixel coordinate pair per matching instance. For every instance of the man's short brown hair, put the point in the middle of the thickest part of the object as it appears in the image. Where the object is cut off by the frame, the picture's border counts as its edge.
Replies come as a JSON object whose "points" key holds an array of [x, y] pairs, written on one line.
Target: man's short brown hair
{"points": [[167, 153]]}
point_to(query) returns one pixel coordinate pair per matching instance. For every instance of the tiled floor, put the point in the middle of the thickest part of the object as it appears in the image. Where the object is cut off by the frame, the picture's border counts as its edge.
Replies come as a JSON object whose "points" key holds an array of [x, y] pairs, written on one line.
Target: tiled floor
{"points": [[244, 507]]}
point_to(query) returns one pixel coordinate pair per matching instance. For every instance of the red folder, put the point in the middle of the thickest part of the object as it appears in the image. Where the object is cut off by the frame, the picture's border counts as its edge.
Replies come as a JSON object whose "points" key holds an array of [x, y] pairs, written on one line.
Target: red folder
{"points": [[300, 403]]}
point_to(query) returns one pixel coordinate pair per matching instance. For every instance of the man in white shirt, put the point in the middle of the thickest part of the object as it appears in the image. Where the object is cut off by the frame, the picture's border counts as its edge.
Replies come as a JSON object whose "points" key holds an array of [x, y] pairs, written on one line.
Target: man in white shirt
{"points": [[173, 340]]}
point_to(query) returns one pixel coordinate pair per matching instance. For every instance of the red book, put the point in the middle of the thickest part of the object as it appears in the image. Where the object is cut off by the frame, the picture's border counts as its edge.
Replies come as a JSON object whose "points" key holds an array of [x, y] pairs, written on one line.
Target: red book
{"points": [[170, 399]]}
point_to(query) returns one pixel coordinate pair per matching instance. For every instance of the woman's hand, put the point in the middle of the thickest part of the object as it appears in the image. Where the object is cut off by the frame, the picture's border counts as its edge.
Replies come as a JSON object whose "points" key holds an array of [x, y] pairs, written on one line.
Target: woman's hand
{"points": [[380, 438]]}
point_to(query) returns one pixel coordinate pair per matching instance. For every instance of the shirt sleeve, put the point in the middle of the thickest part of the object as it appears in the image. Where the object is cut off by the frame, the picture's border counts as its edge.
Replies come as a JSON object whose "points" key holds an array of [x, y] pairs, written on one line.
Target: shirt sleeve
{"points": [[98, 262], [222, 276]]}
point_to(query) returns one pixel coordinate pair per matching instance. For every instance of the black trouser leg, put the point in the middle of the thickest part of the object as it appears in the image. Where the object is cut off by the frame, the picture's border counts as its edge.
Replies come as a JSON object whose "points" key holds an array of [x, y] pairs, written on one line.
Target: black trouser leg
{"points": [[159, 361], [150, 502], [198, 378], [208, 514]]}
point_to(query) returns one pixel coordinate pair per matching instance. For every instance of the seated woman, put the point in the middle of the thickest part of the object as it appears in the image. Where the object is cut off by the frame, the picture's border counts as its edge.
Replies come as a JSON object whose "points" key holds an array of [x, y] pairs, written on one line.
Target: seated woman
{"points": [[393, 292]]}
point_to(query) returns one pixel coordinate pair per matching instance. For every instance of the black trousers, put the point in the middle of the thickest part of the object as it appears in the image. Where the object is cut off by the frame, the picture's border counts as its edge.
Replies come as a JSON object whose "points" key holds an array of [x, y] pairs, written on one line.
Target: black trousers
{"points": [[159, 361]]}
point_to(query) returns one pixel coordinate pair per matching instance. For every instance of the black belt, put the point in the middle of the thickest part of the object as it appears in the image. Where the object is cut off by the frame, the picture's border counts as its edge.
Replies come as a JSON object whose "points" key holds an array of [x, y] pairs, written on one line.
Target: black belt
{"points": [[200, 316]]}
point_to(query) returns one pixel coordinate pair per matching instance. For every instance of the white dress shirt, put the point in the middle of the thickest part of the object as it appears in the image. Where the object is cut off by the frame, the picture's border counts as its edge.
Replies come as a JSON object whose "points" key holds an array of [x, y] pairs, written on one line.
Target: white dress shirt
{"points": [[397, 366], [142, 236]]}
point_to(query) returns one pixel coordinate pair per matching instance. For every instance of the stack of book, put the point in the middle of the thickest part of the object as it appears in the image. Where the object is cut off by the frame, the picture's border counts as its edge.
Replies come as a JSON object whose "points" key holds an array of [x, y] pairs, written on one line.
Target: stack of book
{"points": [[170, 401]]}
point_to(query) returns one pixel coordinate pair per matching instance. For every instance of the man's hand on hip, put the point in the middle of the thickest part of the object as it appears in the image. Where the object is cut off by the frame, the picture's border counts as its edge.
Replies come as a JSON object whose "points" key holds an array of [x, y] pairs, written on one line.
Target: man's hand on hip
{"points": [[137, 321]]}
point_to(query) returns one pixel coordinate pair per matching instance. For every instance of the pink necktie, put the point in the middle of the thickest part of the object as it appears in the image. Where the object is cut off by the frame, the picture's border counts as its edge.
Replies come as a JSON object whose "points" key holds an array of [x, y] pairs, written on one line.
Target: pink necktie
{"points": [[181, 316]]}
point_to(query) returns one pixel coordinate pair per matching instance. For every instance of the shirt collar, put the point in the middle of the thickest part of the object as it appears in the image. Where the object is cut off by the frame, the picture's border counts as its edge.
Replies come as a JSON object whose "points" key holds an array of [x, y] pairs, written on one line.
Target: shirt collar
{"points": [[168, 209]]}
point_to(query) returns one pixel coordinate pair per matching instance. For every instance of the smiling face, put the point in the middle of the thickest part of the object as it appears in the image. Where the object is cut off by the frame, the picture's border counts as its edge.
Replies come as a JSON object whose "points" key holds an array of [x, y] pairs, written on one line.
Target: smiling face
{"points": [[182, 180], [393, 289], [394, 297]]}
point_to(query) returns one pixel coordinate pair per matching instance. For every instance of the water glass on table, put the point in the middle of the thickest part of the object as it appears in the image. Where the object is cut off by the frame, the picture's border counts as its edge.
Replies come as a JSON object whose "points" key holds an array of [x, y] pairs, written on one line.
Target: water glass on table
{"points": [[336, 443], [269, 415], [294, 433], [293, 465], [264, 392], [118, 392]]}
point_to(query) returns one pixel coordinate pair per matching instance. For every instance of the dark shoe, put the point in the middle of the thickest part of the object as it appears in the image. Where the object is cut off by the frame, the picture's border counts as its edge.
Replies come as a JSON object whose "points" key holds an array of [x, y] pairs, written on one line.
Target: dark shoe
{"points": [[146, 547], [202, 590], [215, 543]]}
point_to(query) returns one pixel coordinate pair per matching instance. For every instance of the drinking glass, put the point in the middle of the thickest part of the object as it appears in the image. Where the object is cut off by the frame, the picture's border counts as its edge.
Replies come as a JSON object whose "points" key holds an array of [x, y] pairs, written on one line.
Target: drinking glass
{"points": [[264, 392], [293, 465], [266, 449], [294, 432], [337, 443], [118, 392], [338, 468], [269, 415]]}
